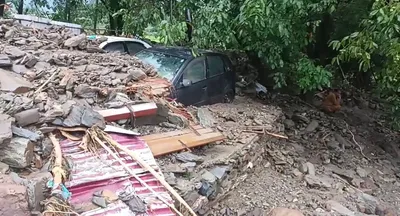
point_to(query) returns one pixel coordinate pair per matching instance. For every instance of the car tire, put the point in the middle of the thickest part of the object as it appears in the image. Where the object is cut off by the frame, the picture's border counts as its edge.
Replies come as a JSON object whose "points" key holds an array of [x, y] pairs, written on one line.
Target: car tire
{"points": [[229, 96]]}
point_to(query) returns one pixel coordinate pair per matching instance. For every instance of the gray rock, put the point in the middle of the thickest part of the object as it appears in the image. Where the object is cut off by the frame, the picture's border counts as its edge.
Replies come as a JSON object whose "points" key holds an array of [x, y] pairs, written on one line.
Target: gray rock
{"points": [[333, 145], [361, 172], [288, 123], [29, 61], [18, 154], [74, 117], [21, 132], [5, 129], [177, 119], [19, 69], [36, 188], [27, 117], [312, 126], [220, 172], [135, 74], [5, 61], [75, 41], [206, 119], [188, 157], [339, 208], [208, 176], [40, 66], [4, 168], [14, 52], [310, 168], [91, 118], [314, 181], [367, 203], [300, 118], [342, 141], [86, 91]]}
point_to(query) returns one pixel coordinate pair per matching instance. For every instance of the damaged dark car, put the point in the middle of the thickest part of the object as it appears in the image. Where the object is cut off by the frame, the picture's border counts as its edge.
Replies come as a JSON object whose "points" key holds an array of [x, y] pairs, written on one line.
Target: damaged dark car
{"points": [[206, 77]]}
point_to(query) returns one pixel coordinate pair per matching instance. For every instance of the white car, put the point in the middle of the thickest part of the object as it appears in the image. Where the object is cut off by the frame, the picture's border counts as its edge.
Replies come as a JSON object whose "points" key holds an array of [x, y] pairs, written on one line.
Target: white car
{"points": [[121, 44]]}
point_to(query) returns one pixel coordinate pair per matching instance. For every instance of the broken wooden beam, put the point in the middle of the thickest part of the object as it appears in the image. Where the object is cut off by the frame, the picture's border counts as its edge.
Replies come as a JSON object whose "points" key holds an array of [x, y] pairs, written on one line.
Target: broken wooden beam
{"points": [[166, 143], [139, 110]]}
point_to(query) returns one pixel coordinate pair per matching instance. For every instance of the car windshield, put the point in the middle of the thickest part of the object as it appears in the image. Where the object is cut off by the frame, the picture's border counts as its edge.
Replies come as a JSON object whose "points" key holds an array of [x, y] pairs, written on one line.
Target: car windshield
{"points": [[166, 65]]}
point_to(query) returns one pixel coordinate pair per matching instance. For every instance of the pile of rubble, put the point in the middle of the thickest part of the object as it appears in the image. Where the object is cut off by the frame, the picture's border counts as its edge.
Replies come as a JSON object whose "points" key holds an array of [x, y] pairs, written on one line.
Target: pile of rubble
{"points": [[51, 79]]}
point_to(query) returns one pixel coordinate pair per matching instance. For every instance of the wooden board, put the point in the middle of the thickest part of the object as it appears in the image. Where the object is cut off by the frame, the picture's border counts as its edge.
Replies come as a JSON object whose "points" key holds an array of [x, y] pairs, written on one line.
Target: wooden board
{"points": [[166, 143]]}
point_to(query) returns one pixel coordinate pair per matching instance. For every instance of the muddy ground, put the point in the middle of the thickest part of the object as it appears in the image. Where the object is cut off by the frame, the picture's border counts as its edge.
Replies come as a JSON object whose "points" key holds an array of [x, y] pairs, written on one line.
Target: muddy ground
{"points": [[319, 170]]}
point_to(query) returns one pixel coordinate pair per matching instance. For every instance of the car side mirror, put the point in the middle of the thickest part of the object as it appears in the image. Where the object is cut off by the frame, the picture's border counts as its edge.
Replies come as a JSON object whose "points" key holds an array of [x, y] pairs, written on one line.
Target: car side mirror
{"points": [[186, 82]]}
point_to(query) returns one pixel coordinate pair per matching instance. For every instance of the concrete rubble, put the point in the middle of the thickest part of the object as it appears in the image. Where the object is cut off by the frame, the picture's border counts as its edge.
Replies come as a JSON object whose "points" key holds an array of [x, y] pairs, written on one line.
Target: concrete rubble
{"points": [[51, 78]]}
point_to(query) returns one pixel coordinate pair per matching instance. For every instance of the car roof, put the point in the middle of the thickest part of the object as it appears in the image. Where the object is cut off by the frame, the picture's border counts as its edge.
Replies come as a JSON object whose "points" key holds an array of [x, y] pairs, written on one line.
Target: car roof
{"points": [[182, 52], [111, 39]]}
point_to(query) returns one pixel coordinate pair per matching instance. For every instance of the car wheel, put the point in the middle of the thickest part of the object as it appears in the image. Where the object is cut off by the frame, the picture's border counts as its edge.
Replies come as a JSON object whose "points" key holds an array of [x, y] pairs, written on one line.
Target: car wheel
{"points": [[229, 96]]}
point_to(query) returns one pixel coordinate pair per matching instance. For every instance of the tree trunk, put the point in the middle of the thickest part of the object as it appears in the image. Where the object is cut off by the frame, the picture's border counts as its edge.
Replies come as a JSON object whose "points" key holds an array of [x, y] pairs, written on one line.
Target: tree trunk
{"points": [[21, 7], [96, 11], [2, 3]]}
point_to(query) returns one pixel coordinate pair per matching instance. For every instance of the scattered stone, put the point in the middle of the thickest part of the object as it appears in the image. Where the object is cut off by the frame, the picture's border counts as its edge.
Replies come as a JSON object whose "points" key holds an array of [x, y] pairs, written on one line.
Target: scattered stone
{"points": [[361, 172], [5, 62], [219, 172], [11, 83], [332, 205], [300, 118], [289, 124], [18, 154], [5, 129], [188, 157], [314, 181], [303, 168], [177, 119], [333, 145], [19, 69], [80, 115], [206, 119], [135, 74], [27, 117], [4, 168], [75, 41], [312, 126], [367, 203], [310, 168], [29, 61], [86, 91], [12, 198], [284, 212], [297, 173], [14, 52], [34, 137], [208, 176], [36, 189]]}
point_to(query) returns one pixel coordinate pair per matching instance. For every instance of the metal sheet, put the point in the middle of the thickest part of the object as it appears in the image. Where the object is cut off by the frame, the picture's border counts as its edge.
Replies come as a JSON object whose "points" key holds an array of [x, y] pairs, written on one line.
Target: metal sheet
{"points": [[92, 173]]}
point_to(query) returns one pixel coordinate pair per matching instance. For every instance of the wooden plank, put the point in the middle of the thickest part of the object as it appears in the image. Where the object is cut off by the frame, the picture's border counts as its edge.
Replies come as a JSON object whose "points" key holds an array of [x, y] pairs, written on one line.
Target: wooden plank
{"points": [[170, 145], [140, 110], [153, 137]]}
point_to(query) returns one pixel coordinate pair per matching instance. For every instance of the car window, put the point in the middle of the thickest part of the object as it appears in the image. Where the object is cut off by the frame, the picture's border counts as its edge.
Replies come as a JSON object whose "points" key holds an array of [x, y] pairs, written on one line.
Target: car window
{"points": [[166, 65], [215, 65], [115, 47], [195, 72], [134, 47]]}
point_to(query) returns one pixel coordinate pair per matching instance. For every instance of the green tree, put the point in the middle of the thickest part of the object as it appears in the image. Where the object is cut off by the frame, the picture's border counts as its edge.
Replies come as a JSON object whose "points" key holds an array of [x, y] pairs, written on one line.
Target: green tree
{"points": [[376, 47]]}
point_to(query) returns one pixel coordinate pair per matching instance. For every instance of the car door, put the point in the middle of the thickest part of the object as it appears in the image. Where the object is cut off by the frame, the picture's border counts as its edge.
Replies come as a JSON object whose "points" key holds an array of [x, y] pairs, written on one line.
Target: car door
{"points": [[115, 47], [134, 47], [215, 78], [192, 83]]}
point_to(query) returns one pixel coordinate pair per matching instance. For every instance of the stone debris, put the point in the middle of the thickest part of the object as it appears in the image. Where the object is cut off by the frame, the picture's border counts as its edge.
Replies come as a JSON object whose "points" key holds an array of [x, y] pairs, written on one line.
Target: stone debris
{"points": [[13, 197], [18, 153], [284, 212]]}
